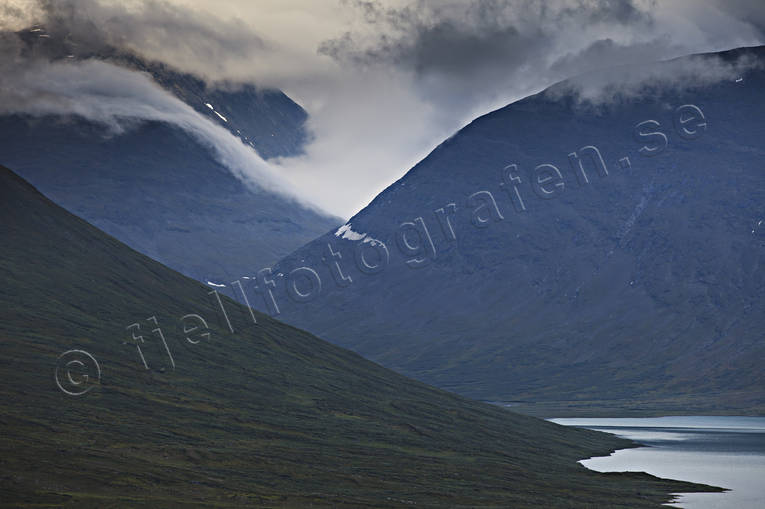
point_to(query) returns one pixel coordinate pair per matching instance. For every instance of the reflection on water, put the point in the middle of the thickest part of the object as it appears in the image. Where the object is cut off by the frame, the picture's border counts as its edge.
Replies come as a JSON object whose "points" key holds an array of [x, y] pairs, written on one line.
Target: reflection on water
{"points": [[722, 451]]}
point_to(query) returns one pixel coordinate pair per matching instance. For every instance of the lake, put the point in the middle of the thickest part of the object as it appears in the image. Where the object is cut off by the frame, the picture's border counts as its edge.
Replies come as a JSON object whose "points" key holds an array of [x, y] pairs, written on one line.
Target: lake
{"points": [[722, 451]]}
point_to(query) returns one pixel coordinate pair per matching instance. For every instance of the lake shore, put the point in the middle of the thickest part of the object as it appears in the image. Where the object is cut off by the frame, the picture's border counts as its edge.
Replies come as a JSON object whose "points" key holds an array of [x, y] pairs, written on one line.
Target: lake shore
{"points": [[725, 451]]}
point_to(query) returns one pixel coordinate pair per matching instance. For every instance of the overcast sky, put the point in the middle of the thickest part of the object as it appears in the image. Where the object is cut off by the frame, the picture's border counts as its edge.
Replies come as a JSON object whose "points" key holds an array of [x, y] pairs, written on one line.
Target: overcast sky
{"points": [[385, 82]]}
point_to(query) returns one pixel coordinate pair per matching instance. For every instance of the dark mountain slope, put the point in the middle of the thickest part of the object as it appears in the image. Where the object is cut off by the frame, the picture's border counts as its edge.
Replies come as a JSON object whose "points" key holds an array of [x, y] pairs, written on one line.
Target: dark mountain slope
{"points": [[643, 289], [140, 186], [161, 192], [265, 119], [267, 416]]}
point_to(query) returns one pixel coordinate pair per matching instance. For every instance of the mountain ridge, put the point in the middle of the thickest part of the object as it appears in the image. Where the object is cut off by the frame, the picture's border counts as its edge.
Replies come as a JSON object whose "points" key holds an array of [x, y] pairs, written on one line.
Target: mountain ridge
{"points": [[596, 254]]}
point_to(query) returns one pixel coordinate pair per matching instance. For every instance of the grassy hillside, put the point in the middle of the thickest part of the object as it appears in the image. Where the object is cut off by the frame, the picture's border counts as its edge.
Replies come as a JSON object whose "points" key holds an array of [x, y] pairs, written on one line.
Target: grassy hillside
{"points": [[266, 416]]}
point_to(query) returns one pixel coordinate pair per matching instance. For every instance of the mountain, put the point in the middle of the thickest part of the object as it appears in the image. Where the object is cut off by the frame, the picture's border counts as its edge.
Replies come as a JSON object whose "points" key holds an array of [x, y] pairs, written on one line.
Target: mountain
{"points": [[632, 286], [140, 185], [265, 119], [266, 416]]}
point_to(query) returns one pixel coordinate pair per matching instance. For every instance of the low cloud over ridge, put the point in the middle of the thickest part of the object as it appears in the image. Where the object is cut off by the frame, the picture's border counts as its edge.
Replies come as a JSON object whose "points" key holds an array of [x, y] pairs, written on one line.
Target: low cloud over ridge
{"points": [[385, 82]]}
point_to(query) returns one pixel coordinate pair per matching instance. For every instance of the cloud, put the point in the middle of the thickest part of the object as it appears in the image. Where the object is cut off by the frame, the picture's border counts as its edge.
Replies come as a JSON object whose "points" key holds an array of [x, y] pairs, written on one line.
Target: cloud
{"points": [[385, 82], [36, 78], [441, 64], [214, 43], [119, 99], [458, 39], [17, 14], [158, 30], [484, 52], [628, 82]]}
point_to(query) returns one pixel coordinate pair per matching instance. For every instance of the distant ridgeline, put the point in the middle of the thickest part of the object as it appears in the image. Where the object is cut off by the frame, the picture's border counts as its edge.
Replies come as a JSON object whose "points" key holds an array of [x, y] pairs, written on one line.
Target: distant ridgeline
{"points": [[564, 254]]}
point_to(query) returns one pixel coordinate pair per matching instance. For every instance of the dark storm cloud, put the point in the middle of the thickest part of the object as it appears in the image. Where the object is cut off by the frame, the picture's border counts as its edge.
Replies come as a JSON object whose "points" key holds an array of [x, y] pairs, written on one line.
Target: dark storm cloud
{"points": [[457, 38], [483, 51], [457, 48]]}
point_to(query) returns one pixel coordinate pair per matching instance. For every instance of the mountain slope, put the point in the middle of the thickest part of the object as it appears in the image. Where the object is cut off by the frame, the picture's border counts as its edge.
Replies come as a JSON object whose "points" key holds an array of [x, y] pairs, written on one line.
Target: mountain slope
{"points": [[265, 119], [161, 192], [140, 185], [639, 289], [266, 416]]}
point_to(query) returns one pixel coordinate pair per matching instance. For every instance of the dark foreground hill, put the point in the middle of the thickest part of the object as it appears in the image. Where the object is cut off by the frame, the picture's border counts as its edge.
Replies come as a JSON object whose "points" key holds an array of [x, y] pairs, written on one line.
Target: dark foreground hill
{"points": [[637, 284], [265, 416]]}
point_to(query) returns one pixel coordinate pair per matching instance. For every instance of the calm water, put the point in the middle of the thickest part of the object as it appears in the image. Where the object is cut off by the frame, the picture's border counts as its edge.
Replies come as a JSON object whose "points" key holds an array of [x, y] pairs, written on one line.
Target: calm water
{"points": [[722, 451]]}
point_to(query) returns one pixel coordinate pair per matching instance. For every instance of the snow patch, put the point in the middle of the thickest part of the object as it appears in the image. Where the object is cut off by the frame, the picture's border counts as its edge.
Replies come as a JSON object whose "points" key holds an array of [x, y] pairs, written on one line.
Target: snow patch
{"points": [[345, 232], [213, 110]]}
